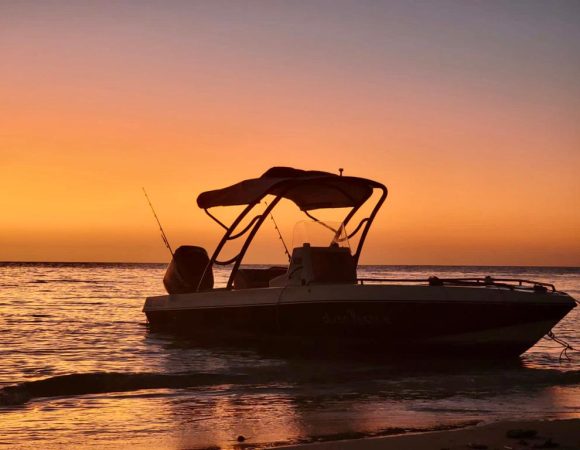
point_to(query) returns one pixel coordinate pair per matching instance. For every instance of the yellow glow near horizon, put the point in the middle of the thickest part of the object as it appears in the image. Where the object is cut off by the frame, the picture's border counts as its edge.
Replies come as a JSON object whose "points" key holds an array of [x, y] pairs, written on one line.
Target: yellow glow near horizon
{"points": [[480, 151]]}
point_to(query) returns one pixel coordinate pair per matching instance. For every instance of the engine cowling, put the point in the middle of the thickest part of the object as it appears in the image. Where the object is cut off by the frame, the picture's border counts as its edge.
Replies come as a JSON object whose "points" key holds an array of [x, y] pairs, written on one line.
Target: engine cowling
{"points": [[186, 270]]}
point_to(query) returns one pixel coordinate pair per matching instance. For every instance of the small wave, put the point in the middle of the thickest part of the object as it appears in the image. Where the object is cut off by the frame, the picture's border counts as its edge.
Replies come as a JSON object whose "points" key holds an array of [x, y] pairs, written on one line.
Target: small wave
{"points": [[70, 280], [103, 382]]}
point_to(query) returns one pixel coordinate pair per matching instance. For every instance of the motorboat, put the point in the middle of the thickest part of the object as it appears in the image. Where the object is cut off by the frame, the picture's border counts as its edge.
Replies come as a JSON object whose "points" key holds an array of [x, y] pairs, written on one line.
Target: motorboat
{"points": [[319, 301]]}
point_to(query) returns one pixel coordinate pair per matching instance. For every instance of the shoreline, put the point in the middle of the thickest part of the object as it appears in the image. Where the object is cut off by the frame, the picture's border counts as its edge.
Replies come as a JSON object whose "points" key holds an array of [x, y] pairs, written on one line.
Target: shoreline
{"points": [[563, 434]]}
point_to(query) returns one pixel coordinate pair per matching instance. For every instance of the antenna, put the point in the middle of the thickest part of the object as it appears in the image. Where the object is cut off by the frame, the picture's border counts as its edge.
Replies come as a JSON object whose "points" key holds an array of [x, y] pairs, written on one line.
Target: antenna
{"points": [[163, 236]]}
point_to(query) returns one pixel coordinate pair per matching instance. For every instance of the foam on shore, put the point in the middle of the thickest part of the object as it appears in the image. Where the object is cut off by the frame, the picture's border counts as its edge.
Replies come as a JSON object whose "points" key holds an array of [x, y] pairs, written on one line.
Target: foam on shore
{"points": [[562, 434]]}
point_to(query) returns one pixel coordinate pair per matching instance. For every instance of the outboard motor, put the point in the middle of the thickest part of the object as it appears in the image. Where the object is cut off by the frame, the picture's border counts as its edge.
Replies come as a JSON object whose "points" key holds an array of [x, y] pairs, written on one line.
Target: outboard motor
{"points": [[186, 269]]}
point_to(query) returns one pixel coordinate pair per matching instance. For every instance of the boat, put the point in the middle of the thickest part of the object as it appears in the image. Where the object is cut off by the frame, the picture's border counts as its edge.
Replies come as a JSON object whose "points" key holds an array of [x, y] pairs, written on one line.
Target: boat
{"points": [[318, 300]]}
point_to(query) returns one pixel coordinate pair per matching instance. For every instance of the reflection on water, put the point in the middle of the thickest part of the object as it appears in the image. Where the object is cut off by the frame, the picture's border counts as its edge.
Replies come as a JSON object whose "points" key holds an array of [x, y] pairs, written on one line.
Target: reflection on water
{"points": [[62, 320], [361, 398]]}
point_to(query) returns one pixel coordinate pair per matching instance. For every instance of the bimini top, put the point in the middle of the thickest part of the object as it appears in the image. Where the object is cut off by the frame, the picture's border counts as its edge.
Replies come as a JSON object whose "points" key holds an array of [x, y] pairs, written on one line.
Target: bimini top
{"points": [[308, 189]]}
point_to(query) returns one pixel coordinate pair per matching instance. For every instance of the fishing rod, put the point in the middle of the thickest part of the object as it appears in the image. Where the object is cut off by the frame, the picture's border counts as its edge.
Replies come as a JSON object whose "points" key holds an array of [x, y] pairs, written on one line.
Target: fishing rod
{"points": [[279, 234], [163, 236]]}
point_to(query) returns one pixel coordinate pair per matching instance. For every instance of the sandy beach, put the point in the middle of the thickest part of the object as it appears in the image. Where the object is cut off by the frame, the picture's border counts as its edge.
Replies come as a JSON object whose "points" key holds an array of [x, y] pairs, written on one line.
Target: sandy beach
{"points": [[561, 434]]}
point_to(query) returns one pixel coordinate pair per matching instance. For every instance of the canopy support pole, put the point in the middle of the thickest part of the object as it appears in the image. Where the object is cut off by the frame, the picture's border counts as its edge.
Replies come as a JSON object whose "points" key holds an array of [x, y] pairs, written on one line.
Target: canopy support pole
{"points": [[257, 221], [368, 224], [253, 232]]}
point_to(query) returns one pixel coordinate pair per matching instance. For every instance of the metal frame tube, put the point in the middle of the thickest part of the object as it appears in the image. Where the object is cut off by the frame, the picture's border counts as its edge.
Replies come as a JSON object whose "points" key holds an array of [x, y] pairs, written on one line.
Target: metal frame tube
{"points": [[257, 221]]}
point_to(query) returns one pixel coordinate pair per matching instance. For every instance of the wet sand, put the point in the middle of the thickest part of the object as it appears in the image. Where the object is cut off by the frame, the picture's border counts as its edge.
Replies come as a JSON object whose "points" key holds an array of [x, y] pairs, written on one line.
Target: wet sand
{"points": [[560, 434]]}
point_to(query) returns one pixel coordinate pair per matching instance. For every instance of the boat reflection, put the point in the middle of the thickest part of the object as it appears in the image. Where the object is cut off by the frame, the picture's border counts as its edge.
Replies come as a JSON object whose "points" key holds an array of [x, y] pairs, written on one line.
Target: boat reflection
{"points": [[293, 399]]}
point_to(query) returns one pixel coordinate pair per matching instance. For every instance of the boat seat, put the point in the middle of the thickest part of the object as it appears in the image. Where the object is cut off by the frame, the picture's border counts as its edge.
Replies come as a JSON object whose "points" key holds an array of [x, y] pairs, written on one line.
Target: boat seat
{"points": [[256, 278], [319, 265], [332, 265]]}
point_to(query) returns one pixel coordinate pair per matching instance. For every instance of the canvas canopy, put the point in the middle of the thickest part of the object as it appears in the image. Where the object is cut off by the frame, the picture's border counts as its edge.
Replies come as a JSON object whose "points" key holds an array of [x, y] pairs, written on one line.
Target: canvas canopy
{"points": [[306, 188]]}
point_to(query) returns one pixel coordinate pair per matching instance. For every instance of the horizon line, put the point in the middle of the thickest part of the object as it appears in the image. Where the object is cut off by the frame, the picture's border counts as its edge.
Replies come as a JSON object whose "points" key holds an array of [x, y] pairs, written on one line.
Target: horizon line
{"points": [[272, 264]]}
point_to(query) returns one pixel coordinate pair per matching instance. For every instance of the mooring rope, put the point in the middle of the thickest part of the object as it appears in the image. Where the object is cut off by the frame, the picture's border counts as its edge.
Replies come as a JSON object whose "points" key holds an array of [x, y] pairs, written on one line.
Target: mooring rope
{"points": [[552, 337]]}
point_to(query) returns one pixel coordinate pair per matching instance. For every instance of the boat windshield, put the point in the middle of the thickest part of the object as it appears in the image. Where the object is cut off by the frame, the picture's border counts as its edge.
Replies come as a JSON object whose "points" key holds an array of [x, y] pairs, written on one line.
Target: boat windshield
{"points": [[319, 234]]}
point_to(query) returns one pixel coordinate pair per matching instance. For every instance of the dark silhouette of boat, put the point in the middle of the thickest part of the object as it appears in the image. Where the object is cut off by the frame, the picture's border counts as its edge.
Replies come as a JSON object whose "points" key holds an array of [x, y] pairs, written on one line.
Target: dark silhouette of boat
{"points": [[318, 300]]}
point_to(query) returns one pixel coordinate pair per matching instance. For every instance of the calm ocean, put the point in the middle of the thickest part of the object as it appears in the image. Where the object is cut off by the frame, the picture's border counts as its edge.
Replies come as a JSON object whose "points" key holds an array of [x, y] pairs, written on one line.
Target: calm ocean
{"points": [[98, 378]]}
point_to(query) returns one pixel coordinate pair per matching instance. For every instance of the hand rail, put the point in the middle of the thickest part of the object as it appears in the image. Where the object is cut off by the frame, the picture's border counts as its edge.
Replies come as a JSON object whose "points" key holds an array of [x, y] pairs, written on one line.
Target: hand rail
{"points": [[475, 281]]}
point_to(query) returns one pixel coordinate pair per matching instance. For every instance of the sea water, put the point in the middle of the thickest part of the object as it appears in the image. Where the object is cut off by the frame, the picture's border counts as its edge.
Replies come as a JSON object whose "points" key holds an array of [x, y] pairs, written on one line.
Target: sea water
{"points": [[80, 368]]}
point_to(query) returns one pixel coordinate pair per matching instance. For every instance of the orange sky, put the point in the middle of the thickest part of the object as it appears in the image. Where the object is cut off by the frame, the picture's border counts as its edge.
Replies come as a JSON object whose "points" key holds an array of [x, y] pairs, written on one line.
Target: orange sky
{"points": [[469, 113]]}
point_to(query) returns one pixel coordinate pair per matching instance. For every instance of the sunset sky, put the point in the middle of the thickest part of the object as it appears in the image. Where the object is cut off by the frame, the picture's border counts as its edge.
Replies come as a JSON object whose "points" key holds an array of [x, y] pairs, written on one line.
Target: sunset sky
{"points": [[469, 111]]}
